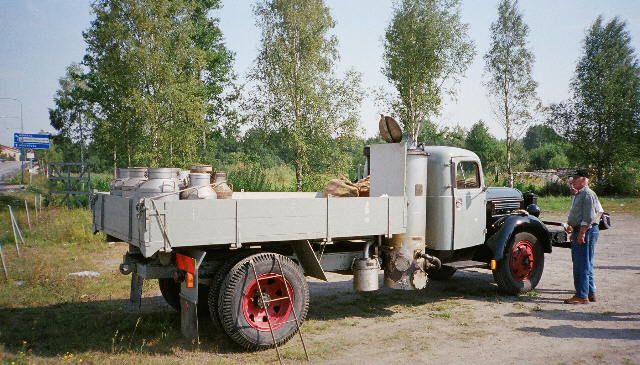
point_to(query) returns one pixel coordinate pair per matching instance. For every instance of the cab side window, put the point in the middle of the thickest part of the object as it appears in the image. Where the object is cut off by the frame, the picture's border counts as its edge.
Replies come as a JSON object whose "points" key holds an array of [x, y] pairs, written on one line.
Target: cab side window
{"points": [[467, 175]]}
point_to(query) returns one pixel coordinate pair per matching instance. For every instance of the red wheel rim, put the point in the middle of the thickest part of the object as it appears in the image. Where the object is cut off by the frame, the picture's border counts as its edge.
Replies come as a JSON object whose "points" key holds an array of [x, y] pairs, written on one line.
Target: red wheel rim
{"points": [[273, 301], [522, 261]]}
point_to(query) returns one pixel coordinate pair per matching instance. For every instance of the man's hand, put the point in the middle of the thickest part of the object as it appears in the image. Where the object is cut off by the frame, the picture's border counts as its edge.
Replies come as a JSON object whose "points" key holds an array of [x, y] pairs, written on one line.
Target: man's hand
{"points": [[582, 234]]}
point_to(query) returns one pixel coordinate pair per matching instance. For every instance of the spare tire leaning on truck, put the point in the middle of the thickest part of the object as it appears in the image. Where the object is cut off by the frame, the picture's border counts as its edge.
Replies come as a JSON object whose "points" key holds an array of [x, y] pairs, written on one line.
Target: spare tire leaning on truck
{"points": [[247, 314]]}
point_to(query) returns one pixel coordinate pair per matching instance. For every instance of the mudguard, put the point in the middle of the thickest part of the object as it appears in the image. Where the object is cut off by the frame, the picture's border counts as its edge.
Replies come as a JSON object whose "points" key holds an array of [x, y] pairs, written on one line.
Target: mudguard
{"points": [[501, 232]]}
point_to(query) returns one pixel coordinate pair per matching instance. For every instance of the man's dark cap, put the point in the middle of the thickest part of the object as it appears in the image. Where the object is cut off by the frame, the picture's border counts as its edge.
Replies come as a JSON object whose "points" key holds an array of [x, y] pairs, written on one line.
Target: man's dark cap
{"points": [[580, 173]]}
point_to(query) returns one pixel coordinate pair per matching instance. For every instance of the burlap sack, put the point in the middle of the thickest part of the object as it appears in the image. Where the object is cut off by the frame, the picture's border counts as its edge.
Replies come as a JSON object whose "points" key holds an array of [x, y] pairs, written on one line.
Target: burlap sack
{"points": [[341, 187], [363, 187]]}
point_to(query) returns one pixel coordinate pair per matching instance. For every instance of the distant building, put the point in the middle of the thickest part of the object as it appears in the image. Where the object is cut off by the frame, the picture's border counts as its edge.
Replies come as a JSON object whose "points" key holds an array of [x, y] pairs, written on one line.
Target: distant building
{"points": [[11, 152]]}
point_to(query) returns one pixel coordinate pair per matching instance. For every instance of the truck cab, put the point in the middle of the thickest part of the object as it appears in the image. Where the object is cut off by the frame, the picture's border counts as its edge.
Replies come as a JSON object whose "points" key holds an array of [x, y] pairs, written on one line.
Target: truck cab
{"points": [[456, 199]]}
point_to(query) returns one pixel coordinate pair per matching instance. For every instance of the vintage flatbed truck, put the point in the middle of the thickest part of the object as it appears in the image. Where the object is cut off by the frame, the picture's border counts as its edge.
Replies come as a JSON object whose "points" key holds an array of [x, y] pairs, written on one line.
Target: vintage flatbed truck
{"points": [[245, 259]]}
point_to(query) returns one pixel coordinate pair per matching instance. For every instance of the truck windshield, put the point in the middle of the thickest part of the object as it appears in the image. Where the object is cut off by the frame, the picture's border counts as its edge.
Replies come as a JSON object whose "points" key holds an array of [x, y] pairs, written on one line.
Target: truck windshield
{"points": [[467, 175]]}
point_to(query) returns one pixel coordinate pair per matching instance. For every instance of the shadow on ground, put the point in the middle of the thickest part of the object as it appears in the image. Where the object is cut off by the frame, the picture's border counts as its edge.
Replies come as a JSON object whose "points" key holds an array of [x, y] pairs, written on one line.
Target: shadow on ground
{"points": [[102, 326], [335, 301], [111, 327]]}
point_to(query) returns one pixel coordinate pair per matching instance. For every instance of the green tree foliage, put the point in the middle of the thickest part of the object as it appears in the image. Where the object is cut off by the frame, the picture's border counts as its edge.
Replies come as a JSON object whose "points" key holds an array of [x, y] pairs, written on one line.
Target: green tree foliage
{"points": [[487, 147], [296, 95], [549, 156], [602, 120], [426, 49], [434, 135], [73, 114], [508, 67], [155, 69], [217, 78], [519, 156], [539, 135]]}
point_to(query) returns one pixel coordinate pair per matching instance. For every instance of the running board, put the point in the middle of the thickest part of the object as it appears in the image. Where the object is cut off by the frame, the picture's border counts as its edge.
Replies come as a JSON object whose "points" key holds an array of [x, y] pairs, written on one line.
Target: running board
{"points": [[468, 264]]}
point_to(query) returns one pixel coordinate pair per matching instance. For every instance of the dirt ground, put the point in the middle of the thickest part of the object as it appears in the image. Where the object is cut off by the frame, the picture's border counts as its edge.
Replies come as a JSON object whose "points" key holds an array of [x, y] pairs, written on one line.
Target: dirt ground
{"points": [[465, 320], [483, 327]]}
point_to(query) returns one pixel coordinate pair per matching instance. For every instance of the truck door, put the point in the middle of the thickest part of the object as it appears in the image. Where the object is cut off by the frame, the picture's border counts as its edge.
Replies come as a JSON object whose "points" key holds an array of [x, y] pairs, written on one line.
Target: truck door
{"points": [[469, 217]]}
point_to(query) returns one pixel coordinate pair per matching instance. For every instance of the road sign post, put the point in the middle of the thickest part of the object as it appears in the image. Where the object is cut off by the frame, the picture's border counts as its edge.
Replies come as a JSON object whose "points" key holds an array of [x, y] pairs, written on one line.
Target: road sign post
{"points": [[33, 141]]}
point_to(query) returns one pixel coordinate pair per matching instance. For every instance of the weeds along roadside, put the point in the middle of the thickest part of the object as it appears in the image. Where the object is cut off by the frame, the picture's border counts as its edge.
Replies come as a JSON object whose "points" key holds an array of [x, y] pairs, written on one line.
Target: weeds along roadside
{"points": [[60, 242], [44, 310]]}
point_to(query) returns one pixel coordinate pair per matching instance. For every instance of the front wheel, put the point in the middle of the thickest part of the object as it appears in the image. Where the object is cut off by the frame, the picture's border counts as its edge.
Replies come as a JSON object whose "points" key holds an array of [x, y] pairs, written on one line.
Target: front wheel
{"points": [[521, 267], [251, 304]]}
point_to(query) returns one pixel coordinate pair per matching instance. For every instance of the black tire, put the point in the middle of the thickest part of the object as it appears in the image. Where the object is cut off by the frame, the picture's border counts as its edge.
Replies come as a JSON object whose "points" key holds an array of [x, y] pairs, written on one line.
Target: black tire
{"points": [[444, 273], [239, 306], [203, 305], [521, 267], [170, 290], [216, 283]]}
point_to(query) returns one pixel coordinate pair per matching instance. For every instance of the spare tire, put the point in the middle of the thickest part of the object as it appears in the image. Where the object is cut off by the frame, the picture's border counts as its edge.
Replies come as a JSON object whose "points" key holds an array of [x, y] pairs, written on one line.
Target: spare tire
{"points": [[248, 314]]}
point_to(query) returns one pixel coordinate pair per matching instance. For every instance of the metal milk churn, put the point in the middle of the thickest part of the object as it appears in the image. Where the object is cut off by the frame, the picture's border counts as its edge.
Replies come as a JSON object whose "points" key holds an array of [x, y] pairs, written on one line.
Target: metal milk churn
{"points": [[163, 183], [365, 271], [183, 176], [199, 187], [115, 187], [137, 175], [202, 168], [223, 190]]}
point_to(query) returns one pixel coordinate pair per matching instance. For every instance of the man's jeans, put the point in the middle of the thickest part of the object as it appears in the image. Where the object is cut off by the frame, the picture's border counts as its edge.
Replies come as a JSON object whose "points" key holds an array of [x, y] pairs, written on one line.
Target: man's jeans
{"points": [[582, 257]]}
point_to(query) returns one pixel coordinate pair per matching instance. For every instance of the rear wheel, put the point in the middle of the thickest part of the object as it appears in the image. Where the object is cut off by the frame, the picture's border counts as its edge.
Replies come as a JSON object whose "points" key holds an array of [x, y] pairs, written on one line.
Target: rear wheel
{"points": [[218, 279], [247, 313], [170, 290], [521, 267]]}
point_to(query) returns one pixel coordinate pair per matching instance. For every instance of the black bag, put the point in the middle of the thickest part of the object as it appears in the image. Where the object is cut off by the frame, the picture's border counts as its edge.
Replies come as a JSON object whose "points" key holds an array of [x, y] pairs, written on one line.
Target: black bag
{"points": [[605, 221]]}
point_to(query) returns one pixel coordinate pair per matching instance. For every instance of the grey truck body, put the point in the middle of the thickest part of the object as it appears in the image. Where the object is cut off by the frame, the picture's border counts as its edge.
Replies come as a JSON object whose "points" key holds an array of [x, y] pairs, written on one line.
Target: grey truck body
{"points": [[155, 227], [427, 207]]}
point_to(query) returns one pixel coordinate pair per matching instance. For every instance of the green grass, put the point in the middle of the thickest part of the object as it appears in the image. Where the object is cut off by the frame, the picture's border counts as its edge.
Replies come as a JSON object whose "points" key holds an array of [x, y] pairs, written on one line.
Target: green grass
{"points": [[554, 204]]}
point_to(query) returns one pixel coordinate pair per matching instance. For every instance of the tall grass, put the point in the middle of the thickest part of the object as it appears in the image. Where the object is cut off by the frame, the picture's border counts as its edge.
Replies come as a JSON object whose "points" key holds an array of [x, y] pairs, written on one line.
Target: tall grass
{"points": [[255, 178]]}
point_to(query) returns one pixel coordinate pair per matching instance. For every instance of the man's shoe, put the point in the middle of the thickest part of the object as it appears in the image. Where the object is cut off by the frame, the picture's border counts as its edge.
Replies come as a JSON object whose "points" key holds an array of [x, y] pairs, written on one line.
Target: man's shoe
{"points": [[576, 300], [592, 298]]}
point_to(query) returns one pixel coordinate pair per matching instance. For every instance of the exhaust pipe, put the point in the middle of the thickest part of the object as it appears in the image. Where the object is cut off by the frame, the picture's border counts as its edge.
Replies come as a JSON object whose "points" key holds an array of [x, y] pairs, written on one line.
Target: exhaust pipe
{"points": [[365, 270], [431, 262]]}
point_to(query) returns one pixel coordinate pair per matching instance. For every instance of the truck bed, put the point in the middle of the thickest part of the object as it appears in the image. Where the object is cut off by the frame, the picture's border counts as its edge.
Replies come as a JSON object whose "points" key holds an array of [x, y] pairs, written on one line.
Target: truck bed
{"points": [[157, 226]]}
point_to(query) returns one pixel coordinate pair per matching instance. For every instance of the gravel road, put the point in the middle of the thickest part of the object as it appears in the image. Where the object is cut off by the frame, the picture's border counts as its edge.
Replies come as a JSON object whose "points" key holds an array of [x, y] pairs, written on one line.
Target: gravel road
{"points": [[464, 319]]}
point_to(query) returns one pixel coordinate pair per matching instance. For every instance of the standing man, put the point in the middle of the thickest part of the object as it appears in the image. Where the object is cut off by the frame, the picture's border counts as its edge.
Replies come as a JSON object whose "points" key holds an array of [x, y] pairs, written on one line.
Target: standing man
{"points": [[583, 227]]}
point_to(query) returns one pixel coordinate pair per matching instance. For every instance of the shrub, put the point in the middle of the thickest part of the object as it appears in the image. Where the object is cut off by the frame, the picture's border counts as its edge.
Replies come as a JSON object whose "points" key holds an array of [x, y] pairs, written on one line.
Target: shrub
{"points": [[100, 183], [625, 181], [558, 188]]}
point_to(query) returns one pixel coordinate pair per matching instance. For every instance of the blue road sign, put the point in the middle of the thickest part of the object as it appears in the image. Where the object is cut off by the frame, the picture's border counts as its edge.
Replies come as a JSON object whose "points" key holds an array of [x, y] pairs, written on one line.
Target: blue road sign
{"points": [[24, 140]]}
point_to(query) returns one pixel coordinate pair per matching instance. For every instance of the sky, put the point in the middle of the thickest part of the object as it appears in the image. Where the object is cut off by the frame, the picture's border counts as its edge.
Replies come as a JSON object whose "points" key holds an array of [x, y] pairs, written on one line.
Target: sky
{"points": [[40, 38]]}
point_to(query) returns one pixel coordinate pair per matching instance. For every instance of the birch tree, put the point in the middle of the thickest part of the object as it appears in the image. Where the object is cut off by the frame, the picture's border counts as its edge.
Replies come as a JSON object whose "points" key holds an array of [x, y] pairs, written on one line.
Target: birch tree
{"points": [[73, 115], [602, 120], [426, 50], [296, 92], [508, 69], [155, 70]]}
